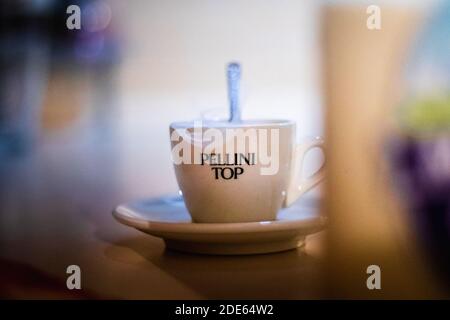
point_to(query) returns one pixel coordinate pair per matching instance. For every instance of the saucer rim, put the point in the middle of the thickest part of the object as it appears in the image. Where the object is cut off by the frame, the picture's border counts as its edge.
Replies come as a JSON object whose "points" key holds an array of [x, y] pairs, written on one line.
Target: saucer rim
{"points": [[310, 224]]}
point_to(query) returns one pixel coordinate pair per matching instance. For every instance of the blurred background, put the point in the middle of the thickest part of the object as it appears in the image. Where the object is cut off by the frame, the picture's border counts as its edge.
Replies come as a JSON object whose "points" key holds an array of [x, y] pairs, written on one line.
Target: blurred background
{"points": [[84, 118]]}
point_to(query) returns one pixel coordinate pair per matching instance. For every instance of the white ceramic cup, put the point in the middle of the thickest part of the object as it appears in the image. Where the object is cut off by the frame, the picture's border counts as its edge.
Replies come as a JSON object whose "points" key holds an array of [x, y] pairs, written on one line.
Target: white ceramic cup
{"points": [[240, 172]]}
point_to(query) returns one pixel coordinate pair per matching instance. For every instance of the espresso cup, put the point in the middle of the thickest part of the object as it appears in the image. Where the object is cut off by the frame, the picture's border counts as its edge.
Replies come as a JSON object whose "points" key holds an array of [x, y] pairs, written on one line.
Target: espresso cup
{"points": [[240, 172]]}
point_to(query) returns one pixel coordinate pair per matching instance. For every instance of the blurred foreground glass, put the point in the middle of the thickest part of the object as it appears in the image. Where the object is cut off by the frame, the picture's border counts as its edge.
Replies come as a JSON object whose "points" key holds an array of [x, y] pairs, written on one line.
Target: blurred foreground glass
{"points": [[367, 224], [421, 151]]}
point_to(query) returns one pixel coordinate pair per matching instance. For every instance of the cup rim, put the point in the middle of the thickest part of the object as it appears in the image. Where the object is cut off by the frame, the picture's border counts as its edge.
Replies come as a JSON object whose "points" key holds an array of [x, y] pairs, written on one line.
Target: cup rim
{"points": [[225, 124]]}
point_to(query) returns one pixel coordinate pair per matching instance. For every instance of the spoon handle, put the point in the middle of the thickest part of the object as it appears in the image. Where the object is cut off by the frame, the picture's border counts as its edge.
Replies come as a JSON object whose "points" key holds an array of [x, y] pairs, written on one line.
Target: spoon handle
{"points": [[234, 77]]}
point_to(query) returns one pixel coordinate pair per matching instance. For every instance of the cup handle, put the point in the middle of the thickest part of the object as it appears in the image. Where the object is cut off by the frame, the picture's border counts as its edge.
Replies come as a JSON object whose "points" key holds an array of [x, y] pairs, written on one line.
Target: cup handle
{"points": [[298, 185]]}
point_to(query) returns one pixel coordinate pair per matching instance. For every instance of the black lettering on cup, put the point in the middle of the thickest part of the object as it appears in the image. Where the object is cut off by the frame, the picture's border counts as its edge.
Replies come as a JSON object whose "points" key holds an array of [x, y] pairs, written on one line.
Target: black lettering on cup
{"points": [[224, 168]]}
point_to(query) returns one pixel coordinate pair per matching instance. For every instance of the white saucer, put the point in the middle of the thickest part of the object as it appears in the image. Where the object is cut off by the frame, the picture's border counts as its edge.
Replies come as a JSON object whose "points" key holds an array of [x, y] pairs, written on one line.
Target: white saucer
{"points": [[167, 218]]}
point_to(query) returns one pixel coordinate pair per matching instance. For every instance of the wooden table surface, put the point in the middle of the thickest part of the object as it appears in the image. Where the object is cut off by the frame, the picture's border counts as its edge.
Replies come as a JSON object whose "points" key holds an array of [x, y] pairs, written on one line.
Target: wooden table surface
{"points": [[56, 211]]}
